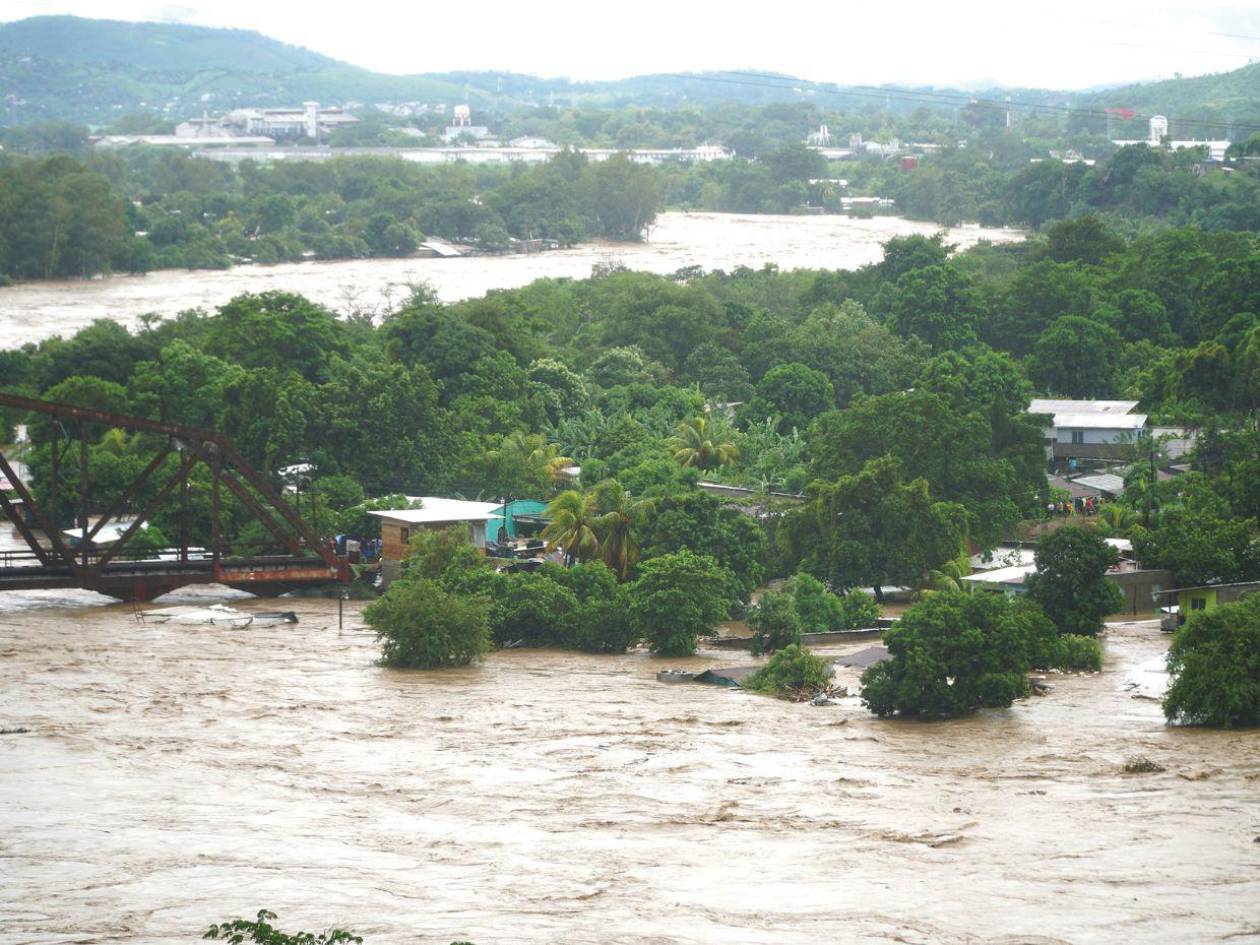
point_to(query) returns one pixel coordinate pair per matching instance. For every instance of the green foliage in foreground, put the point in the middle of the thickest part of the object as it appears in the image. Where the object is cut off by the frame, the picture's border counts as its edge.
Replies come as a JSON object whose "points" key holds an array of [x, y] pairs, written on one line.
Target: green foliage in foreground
{"points": [[421, 625], [794, 669], [261, 931], [1215, 664], [953, 653]]}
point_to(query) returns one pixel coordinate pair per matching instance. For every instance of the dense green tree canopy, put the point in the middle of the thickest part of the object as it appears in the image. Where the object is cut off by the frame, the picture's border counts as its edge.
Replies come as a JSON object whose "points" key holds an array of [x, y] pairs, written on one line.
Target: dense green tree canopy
{"points": [[953, 653], [873, 529], [1214, 661], [1071, 583]]}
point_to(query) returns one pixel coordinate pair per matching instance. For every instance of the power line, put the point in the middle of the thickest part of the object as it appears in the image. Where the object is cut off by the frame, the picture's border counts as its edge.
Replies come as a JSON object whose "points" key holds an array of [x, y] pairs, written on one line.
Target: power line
{"points": [[1150, 26], [1197, 52]]}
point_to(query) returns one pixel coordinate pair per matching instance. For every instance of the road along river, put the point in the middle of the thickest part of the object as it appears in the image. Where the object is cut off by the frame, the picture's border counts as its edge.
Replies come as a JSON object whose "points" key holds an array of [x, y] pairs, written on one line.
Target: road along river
{"points": [[35, 310], [176, 775]]}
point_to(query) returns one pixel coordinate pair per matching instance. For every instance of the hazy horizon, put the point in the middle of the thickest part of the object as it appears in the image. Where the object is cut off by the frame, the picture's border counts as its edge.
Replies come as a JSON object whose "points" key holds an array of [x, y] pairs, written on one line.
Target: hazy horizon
{"points": [[970, 45]]}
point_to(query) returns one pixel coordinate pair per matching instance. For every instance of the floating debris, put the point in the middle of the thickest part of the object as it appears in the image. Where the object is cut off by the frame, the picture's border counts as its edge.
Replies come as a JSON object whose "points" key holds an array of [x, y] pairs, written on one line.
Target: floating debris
{"points": [[730, 676], [1148, 680], [218, 615], [675, 676]]}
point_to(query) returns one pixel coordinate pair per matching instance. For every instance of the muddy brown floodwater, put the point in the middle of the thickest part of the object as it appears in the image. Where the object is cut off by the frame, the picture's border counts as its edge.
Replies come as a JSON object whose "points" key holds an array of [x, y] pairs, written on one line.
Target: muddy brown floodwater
{"points": [[34, 310], [173, 776]]}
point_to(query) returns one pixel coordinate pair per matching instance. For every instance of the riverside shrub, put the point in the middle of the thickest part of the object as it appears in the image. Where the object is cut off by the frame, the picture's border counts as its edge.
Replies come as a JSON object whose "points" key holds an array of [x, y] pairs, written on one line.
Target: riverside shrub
{"points": [[421, 625], [1214, 661], [1078, 653], [793, 669], [678, 598], [953, 653]]}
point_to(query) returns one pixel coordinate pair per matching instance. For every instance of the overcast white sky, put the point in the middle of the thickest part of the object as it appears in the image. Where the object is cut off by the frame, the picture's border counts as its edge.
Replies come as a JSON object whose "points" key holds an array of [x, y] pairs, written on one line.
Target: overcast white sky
{"points": [[1071, 44]]}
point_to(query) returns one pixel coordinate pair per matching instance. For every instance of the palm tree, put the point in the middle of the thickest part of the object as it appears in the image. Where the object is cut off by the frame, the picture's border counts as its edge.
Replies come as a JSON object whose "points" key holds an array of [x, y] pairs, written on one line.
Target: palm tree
{"points": [[525, 461], [618, 516], [950, 576], [693, 445], [572, 526], [1116, 518]]}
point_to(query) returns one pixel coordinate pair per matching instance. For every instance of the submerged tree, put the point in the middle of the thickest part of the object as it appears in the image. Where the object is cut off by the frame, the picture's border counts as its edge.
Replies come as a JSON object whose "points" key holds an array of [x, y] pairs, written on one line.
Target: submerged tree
{"points": [[953, 653], [1214, 662], [1071, 582], [774, 622], [677, 598], [421, 625], [260, 931]]}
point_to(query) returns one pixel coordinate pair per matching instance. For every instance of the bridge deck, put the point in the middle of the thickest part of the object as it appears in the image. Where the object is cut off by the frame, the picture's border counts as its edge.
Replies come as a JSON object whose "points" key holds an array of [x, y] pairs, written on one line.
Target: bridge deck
{"points": [[144, 580]]}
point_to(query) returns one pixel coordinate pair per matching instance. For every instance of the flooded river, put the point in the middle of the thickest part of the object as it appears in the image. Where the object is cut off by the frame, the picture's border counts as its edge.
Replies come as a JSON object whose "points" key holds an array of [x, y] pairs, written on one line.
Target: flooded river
{"points": [[173, 776], [36, 310]]}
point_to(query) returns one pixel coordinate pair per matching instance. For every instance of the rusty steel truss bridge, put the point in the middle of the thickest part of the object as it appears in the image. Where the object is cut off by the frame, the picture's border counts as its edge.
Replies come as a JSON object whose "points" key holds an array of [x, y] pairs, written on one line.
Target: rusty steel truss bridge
{"points": [[110, 569]]}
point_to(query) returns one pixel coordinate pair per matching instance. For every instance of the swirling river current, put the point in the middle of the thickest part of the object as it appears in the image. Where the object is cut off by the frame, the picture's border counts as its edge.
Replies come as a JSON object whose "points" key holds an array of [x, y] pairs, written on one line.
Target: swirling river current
{"points": [[172, 776]]}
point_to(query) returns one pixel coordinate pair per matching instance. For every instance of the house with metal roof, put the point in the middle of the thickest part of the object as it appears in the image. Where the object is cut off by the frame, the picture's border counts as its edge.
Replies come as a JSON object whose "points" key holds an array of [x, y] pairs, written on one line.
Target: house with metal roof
{"points": [[1089, 429], [1109, 484], [398, 526]]}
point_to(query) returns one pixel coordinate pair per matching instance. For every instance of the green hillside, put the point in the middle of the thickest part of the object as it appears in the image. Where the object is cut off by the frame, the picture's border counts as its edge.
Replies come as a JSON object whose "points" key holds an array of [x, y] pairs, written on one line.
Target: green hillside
{"points": [[160, 47], [72, 69], [1207, 104], [92, 71]]}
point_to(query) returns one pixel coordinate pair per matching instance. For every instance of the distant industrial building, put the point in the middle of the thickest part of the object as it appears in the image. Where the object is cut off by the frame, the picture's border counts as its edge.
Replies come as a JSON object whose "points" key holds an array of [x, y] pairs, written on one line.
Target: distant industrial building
{"points": [[483, 153], [308, 123], [1157, 137], [244, 128]]}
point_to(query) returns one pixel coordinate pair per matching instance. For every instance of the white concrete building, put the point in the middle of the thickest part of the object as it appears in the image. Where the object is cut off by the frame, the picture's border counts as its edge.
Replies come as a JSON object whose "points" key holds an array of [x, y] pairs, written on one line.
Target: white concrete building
{"points": [[310, 122], [1090, 429]]}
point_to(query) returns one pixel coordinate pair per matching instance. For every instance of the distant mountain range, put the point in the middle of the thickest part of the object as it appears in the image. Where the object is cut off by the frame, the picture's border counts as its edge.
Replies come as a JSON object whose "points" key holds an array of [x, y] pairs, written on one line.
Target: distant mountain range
{"points": [[93, 71]]}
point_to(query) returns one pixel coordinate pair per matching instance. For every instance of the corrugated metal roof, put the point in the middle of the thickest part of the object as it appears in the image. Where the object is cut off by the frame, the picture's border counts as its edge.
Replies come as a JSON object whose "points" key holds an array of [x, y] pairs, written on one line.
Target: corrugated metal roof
{"points": [[1074, 489], [1103, 482], [1003, 557], [1049, 405], [437, 509], [1100, 421], [1015, 574]]}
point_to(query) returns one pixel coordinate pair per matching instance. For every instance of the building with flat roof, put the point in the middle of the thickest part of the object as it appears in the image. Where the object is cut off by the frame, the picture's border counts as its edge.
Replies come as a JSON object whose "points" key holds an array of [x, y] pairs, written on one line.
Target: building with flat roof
{"points": [[399, 525], [308, 122]]}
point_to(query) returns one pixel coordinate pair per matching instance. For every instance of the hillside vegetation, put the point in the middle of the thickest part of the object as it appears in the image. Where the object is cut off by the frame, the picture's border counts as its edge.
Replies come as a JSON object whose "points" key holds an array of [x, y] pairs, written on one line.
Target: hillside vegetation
{"points": [[71, 68]]}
